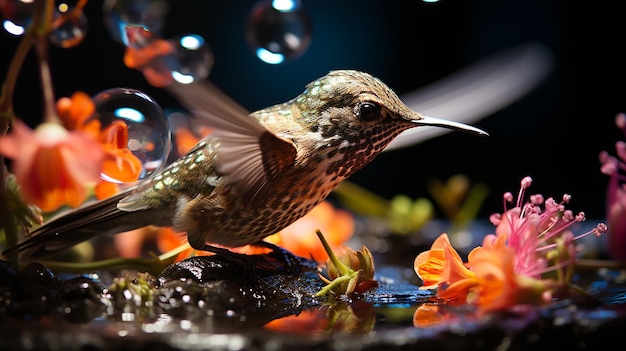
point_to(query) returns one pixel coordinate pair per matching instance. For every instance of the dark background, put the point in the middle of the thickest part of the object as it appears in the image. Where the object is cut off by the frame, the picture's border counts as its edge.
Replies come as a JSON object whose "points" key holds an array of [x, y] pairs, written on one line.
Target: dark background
{"points": [[553, 134]]}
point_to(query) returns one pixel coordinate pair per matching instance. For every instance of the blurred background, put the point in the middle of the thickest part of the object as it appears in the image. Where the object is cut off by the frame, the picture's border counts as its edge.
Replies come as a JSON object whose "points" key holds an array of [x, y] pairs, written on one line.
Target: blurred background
{"points": [[553, 133]]}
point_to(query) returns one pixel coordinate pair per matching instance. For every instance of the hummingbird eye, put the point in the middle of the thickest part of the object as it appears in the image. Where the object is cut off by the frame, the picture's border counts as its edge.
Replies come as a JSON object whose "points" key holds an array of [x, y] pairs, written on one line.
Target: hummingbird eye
{"points": [[367, 110]]}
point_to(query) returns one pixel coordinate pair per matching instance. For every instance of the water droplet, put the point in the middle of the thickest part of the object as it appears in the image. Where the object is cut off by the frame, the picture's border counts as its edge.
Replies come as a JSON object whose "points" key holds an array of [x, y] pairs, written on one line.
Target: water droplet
{"points": [[121, 13], [148, 131], [279, 30], [16, 16], [71, 32]]}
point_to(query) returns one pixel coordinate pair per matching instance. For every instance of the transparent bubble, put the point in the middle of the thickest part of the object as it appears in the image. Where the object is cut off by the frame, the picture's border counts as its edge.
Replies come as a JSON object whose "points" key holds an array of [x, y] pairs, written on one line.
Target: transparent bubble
{"points": [[184, 59], [192, 59], [149, 137], [16, 15], [71, 32], [121, 13], [279, 30]]}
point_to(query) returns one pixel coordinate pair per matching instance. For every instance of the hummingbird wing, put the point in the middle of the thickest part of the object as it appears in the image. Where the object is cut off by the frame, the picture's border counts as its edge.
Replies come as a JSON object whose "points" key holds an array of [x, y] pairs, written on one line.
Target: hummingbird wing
{"points": [[249, 154]]}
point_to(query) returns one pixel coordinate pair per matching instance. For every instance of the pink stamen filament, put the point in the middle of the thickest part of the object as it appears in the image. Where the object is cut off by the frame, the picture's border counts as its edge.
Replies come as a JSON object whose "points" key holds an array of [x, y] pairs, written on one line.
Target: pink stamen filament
{"points": [[594, 231], [531, 246], [526, 181]]}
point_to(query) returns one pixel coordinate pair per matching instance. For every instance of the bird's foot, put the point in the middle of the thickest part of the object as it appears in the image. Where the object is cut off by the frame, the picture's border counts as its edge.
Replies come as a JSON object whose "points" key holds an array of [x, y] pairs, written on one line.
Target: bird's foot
{"points": [[291, 264], [243, 261]]}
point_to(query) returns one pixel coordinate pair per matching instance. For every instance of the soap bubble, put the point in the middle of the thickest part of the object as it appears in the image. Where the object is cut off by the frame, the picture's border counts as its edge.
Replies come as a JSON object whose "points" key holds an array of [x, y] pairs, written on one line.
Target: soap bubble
{"points": [[279, 30], [118, 14], [149, 137], [71, 32], [16, 15], [184, 59]]}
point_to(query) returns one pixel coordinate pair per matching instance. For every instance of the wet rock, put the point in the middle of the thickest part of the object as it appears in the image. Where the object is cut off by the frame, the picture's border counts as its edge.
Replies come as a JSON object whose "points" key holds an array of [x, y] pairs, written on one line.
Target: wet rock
{"points": [[35, 291], [237, 267], [207, 303], [237, 290], [79, 300], [28, 292]]}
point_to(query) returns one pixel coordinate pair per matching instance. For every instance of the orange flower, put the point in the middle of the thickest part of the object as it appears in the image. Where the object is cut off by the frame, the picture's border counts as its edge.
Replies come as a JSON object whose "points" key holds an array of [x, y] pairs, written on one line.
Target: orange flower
{"points": [[428, 315], [119, 164], [354, 317], [516, 265], [300, 238], [499, 285], [306, 321], [186, 139], [442, 267], [145, 59], [53, 166], [430, 264], [144, 53], [75, 112], [491, 282], [105, 189]]}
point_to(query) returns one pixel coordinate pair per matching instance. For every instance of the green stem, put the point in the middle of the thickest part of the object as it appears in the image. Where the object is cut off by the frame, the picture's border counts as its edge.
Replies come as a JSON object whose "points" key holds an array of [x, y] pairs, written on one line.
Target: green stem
{"points": [[591, 264], [142, 264], [42, 15], [41, 46], [336, 282], [46, 81], [8, 87], [9, 226], [345, 270], [153, 265]]}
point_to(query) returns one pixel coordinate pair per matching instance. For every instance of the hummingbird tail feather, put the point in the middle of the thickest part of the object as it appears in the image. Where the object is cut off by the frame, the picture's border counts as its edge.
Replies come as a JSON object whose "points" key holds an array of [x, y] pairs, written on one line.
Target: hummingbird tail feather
{"points": [[78, 225]]}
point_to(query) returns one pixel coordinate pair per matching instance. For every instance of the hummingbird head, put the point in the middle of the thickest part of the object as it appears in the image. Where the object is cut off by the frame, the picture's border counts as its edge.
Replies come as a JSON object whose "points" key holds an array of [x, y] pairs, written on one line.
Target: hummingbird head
{"points": [[356, 110]]}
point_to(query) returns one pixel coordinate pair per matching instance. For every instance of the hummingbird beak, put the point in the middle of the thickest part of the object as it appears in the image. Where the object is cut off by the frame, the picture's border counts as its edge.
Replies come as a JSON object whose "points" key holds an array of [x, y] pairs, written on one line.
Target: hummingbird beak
{"points": [[438, 122]]}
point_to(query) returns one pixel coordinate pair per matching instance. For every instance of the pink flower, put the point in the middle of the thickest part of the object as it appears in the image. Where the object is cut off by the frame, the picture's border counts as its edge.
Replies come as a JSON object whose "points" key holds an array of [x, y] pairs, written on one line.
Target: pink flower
{"points": [[530, 256], [52, 165], [616, 194], [539, 232]]}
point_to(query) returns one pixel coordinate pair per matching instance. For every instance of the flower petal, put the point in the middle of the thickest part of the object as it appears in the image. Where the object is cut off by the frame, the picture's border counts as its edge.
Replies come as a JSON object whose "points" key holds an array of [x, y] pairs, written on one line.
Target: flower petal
{"points": [[20, 144], [52, 166], [429, 265]]}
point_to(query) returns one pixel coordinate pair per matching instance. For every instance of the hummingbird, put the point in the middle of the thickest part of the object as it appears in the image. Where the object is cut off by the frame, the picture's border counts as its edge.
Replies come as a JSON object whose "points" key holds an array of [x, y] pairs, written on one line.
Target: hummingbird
{"points": [[256, 173]]}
